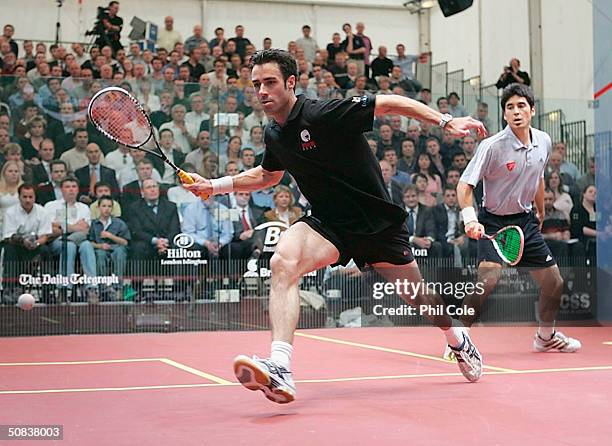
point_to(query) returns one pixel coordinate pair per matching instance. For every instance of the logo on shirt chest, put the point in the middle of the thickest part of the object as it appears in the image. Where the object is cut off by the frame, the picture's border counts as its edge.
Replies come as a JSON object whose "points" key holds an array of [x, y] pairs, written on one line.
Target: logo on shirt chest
{"points": [[307, 142], [510, 165]]}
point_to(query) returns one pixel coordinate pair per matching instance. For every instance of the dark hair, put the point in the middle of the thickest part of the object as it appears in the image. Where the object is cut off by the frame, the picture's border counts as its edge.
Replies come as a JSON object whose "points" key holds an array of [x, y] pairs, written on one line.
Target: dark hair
{"points": [[389, 149], [79, 130], [452, 169], [418, 175], [432, 171], [440, 99], [162, 131], [425, 89], [456, 154], [285, 61], [27, 186], [453, 93], [102, 184], [69, 179], [410, 187], [113, 3], [547, 182], [517, 90], [449, 187], [548, 190], [58, 162], [105, 198], [219, 29], [306, 27]]}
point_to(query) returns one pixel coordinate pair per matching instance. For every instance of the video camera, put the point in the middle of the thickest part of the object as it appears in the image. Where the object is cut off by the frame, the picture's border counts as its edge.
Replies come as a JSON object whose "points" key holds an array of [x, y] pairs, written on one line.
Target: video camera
{"points": [[98, 28]]}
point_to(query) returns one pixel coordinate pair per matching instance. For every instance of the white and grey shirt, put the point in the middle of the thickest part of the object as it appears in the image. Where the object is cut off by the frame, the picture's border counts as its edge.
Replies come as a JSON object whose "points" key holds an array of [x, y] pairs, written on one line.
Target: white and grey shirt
{"points": [[510, 171]]}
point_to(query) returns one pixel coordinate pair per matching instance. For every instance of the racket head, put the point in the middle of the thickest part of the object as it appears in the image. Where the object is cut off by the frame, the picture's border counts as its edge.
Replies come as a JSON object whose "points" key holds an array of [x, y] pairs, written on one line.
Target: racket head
{"points": [[120, 117], [509, 243]]}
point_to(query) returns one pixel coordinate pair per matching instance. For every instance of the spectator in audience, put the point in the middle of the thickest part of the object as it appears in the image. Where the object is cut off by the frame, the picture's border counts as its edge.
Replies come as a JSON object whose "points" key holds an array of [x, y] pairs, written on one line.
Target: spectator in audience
{"points": [[367, 43], [257, 117], [406, 63], [195, 40], [381, 65], [89, 175], [168, 36], [425, 96], [267, 43], [102, 189], [180, 196], [402, 178], [245, 242], [118, 159], [210, 165], [196, 69], [303, 87], [219, 40], [132, 190], [41, 171], [10, 180], [555, 227], [196, 156], [386, 140], [449, 229], [426, 198], [448, 146], [247, 159], [425, 167], [232, 153], [5, 139], [256, 140], [354, 47], [420, 223], [7, 36], [166, 143], [555, 161], [482, 115], [219, 78], [583, 221], [30, 145], [76, 157], [589, 178], [393, 187], [283, 210], [12, 152], [406, 162], [26, 234], [333, 48], [454, 107], [153, 222], [414, 133], [184, 136], [211, 233], [432, 147], [52, 190], [459, 161], [308, 44], [240, 41], [109, 237], [72, 219], [468, 146], [563, 201], [360, 85], [512, 74], [452, 177], [567, 168]]}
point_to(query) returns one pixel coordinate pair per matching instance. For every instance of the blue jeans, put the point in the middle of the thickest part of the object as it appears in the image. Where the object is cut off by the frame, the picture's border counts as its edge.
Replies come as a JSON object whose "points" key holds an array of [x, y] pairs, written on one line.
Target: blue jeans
{"points": [[118, 256], [86, 254]]}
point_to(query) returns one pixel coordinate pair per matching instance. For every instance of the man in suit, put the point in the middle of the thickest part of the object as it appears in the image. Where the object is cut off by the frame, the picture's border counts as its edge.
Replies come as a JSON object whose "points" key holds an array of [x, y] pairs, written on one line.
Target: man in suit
{"points": [[208, 222], [93, 173], [153, 222], [51, 190], [421, 225], [246, 240], [393, 187], [166, 142], [449, 230], [41, 173], [132, 191]]}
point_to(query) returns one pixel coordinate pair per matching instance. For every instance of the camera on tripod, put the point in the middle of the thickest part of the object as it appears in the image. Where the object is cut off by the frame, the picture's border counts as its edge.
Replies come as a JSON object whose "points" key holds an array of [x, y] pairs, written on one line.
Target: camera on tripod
{"points": [[98, 28]]}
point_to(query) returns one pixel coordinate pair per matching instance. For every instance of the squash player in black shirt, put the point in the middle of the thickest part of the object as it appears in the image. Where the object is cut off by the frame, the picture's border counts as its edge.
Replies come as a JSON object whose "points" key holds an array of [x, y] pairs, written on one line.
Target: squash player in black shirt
{"points": [[321, 144]]}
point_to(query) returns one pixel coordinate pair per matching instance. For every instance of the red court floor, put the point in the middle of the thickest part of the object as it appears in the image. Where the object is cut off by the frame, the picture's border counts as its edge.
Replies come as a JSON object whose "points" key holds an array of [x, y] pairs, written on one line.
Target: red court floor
{"points": [[368, 386]]}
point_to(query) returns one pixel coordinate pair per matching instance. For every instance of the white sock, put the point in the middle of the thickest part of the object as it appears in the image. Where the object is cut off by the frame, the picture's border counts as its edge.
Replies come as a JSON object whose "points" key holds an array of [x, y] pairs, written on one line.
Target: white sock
{"points": [[454, 335], [281, 353], [546, 332]]}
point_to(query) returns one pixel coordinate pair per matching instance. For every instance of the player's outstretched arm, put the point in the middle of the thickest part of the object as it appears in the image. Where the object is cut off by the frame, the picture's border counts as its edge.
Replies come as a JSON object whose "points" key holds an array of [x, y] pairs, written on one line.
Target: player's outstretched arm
{"points": [[399, 105], [247, 181], [465, 198]]}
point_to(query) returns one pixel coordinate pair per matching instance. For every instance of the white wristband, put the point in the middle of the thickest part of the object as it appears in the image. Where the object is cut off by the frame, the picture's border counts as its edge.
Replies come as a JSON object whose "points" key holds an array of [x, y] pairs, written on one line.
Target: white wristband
{"points": [[469, 215], [223, 185]]}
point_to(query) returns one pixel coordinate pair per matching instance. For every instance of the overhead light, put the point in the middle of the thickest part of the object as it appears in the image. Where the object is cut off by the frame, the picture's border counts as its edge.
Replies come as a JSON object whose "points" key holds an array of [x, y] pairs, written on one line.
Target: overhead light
{"points": [[415, 6], [426, 4]]}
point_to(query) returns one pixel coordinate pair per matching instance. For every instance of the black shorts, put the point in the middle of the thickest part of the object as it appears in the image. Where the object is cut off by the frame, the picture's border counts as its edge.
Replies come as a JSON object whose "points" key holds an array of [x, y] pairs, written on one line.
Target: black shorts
{"points": [[391, 245], [536, 253]]}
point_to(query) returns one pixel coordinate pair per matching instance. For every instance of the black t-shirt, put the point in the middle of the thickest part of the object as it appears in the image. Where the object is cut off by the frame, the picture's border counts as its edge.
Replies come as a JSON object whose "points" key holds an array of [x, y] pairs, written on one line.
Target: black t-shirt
{"points": [[381, 67], [332, 51], [357, 43], [323, 147]]}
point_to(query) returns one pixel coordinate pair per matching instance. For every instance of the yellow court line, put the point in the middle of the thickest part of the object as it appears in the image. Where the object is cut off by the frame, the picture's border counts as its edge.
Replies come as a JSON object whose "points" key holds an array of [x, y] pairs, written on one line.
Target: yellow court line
{"points": [[100, 361], [196, 372], [390, 350], [305, 381]]}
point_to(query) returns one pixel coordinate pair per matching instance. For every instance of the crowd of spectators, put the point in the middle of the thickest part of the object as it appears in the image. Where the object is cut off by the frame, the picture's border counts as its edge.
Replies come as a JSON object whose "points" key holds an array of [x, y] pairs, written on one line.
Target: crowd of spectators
{"points": [[62, 183]]}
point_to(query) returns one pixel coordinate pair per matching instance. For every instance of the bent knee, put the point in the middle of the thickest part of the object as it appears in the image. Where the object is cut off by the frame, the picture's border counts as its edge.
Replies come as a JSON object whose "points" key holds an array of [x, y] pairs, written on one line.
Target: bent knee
{"points": [[284, 265]]}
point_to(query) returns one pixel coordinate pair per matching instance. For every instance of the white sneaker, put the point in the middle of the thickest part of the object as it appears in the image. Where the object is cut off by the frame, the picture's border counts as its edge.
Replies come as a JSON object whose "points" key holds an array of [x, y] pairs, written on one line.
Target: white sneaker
{"points": [[558, 343], [468, 357], [275, 381]]}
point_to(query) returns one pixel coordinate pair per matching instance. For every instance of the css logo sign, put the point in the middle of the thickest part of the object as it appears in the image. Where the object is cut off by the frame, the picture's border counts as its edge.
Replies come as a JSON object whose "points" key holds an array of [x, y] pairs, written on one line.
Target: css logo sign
{"points": [[575, 302], [274, 229]]}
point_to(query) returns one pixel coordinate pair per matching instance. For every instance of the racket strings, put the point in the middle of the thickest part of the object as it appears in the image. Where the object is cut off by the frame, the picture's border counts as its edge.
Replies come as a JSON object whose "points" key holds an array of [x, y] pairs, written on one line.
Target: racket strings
{"points": [[509, 242], [116, 114]]}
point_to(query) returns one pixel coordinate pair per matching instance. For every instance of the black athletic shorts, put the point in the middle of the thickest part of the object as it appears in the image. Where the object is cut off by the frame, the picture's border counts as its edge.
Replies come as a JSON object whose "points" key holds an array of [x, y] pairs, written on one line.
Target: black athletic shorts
{"points": [[391, 245], [536, 253]]}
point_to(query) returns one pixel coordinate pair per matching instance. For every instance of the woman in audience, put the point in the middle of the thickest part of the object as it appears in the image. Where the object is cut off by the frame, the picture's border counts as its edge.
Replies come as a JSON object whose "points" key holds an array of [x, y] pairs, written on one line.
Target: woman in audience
{"points": [[425, 167], [583, 223], [10, 179], [256, 140], [12, 152], [234, 146], [210, 166], [30, 145], [425, 197], [563, 201], [283, 209]]}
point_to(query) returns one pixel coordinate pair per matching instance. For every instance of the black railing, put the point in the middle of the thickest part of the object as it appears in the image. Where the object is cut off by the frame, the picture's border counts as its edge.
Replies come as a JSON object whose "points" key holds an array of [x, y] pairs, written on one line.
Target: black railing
{"points": [[574, 137]]}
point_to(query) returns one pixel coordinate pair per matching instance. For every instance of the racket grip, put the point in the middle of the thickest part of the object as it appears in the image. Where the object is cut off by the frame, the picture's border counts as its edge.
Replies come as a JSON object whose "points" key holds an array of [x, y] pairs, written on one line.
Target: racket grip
{"points": [[186, 179]]}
